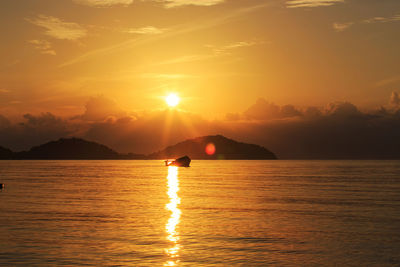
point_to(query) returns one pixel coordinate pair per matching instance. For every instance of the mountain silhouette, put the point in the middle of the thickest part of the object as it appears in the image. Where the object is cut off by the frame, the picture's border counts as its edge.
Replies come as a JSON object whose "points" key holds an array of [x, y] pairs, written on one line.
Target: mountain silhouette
{"points": [[73, 148], [77, 149], [5, 153], [223, 148]]}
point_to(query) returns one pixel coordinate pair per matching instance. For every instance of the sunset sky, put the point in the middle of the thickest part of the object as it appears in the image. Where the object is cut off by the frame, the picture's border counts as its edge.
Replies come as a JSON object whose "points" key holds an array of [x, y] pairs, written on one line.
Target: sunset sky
{"points": [[220, 56]]}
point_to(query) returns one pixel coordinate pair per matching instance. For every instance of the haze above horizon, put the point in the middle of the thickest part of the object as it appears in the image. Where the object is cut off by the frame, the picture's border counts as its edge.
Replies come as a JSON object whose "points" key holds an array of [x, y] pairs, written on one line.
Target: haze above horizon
{"points": [[56, 55], [292, 76]]}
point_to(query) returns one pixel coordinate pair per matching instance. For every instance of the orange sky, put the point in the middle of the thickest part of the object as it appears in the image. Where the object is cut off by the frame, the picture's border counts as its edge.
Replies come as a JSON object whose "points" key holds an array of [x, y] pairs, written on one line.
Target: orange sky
{"points": [[219, 56]]}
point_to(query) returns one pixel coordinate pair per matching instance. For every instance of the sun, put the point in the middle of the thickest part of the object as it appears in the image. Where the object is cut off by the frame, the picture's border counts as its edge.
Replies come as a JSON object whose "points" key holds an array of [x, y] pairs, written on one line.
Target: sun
{"points": [[172, 100]]}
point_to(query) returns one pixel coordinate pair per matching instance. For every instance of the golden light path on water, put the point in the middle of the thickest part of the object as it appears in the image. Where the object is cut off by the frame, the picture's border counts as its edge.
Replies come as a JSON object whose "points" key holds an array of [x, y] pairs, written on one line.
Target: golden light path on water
{"points": [[173, 221]]}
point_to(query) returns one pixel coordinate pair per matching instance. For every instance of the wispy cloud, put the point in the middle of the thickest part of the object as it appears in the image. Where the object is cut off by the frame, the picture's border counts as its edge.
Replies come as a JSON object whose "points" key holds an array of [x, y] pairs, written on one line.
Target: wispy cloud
{"points": [[177, 3], [339, 27], [173, 32], [166, 76], [167, 3], [145, 30], [388, 81], [394, 100], [185, 59], [43, 46], [104, 3], [216, 51], [382, 19], [227, 48], [58, 28], [4, 91], [311, 3]]}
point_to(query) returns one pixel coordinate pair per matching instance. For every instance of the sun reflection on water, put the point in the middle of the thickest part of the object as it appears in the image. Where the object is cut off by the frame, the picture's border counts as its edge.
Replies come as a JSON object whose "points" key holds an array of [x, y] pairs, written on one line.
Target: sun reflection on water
{"points": [[173, 221]]}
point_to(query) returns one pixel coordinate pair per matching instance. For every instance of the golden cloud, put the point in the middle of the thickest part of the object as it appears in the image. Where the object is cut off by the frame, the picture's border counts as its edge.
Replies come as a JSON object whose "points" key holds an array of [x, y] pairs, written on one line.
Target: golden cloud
{"points": [[58, 28], [104, 3], [311, 3]]}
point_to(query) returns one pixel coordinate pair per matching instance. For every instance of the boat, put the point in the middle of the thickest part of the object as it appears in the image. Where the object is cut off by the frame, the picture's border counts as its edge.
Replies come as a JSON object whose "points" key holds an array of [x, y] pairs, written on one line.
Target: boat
{"points": [[180, 162]]}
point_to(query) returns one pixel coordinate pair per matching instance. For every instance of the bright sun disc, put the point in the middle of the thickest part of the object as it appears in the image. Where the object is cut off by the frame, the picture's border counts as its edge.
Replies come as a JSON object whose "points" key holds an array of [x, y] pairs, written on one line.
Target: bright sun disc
{"points": [[172, 100]]}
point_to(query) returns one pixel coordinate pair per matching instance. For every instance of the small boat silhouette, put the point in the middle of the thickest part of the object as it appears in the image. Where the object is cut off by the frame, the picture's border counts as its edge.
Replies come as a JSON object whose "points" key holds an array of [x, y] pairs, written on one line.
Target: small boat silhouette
{"points": [[181, 162]]}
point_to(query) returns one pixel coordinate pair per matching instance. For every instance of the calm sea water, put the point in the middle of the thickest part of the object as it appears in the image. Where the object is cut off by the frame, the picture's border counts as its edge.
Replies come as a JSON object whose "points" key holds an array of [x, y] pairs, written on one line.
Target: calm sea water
{"points": [[220, 213]]}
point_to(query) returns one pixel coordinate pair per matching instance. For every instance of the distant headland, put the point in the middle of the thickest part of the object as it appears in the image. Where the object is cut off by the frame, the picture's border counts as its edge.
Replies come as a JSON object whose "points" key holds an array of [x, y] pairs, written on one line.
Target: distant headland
{"points": [[214, 147], [205, 147]]}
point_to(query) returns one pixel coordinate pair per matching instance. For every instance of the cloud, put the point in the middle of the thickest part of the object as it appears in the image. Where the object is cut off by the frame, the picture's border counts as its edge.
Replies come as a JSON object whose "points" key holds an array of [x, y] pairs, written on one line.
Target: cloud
{"points": [[100, 107], [216, 52], [104, 3], [34, 130], [145, 30], [312, 112], [173, 32], [263, 110], [394, 100], [340, 130], [148, 132], [4, 91], [342, 109], [240, 44], [177, 3], [382, 19], [233, 116], [185, 59], [58, 28], [311, 3], [43, 46], [167, 3], [339, 27], [227, 48], [166, 76], [387, 81]]}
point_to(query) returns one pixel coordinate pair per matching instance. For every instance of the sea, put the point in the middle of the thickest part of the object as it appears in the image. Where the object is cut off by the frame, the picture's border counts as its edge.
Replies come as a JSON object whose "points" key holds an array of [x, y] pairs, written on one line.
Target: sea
{"points": [[215, 213]]}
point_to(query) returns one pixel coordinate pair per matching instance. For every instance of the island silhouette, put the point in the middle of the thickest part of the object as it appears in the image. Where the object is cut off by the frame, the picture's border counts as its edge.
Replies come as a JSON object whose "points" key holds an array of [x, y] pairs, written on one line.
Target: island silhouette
{"points": [[222, 148], [197, 148]]}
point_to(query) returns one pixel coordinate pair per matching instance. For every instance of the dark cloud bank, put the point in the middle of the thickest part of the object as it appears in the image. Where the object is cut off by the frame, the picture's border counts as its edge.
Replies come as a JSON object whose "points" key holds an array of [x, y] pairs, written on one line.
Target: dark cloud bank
{"points": [[338, 131]]}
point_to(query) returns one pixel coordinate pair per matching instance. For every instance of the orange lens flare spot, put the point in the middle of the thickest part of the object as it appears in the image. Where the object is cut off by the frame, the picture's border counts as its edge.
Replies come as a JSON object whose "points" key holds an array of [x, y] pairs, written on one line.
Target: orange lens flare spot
{"points": [[210, 149]]}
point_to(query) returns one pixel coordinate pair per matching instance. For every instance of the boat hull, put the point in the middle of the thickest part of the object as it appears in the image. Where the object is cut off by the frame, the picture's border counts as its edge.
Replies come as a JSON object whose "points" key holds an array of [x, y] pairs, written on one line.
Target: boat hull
{"points": [[181, 162]]}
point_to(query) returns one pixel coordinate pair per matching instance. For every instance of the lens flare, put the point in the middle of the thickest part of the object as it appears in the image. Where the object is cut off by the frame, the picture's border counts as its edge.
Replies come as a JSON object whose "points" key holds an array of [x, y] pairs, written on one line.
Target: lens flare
{"points": [[210, 149]]}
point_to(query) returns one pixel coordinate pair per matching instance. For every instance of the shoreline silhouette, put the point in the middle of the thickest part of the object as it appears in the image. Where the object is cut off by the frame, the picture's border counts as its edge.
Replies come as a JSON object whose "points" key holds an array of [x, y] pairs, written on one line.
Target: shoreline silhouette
{"points": [[205, 147]]}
